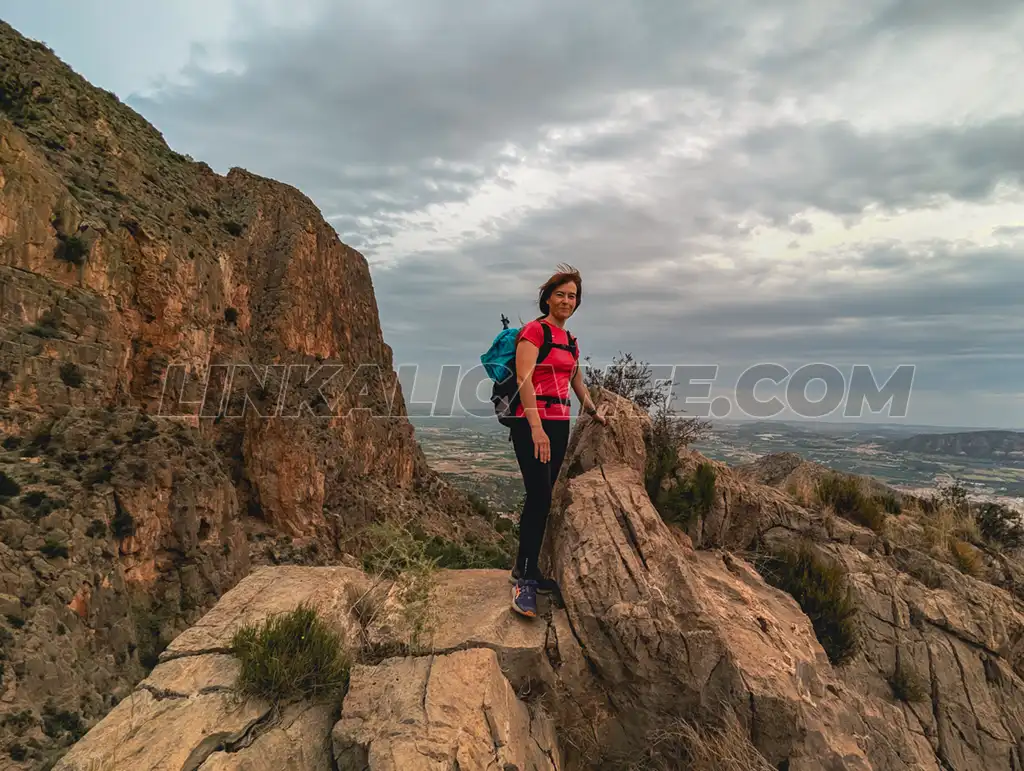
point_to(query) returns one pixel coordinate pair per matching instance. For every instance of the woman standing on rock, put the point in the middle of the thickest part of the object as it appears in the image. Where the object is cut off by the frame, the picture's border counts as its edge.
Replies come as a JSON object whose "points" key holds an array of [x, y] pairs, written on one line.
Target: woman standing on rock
{"points": [[540, 433]]}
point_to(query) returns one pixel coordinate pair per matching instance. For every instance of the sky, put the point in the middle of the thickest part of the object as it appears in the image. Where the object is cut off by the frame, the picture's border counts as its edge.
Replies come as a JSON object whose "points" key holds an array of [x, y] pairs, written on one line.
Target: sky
{"points": [[808, 182]]}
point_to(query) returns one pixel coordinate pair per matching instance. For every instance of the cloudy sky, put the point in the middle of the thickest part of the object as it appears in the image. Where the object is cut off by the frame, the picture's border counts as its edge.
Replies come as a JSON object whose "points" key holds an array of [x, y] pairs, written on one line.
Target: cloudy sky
{"points": [[740, 182]]}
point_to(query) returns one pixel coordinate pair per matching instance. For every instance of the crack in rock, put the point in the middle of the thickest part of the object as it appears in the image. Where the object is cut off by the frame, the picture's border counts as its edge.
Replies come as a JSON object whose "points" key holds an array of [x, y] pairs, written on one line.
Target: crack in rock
{"points": [[229, 741], [160, 693], [174, 656]]}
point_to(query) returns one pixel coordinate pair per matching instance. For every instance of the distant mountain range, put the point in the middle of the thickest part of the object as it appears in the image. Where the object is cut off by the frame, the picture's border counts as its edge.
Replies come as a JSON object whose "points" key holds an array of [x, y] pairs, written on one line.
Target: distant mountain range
{"points": [[971, 444]]}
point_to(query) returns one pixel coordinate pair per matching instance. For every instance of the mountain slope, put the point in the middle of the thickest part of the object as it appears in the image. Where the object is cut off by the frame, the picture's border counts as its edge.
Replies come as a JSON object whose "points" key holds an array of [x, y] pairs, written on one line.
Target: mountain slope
{"points": [[972, 444]]}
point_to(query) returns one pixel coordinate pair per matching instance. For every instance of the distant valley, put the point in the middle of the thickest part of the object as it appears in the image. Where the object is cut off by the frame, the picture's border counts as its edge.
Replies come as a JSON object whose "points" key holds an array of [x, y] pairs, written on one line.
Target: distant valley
{"points": [[474, 452]]}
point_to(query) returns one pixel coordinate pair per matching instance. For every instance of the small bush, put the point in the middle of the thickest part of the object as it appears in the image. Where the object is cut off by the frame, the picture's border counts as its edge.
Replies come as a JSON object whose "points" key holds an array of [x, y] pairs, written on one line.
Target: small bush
{"points": [[99, 475], [954, 495], [231, 315], [1001, 525], [57, 723], [123, 524], [8, 487], [232, 227], [844, 495], [889, 503], [291, 655], [71, 374], [692, 497], [819, 588], [479, 505], [54, 548], [72, 249], [907, 685], [966, 558], [48, 327], [39, 504]]}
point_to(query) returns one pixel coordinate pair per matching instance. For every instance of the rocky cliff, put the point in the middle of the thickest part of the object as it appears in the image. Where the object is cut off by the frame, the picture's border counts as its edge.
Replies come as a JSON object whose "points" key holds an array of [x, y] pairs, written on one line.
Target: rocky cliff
{"points": [[193, 382], [873, 648]]}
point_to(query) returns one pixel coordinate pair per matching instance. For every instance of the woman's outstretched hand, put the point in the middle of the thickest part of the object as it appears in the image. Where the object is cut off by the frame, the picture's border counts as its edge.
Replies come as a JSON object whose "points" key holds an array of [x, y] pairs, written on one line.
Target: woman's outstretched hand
{"points": [[541, 445]]}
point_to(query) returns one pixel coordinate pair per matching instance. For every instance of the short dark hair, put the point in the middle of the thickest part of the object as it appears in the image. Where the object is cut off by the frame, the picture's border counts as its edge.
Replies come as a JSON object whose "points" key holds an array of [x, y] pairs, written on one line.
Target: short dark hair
{"points": [[563, 275]]}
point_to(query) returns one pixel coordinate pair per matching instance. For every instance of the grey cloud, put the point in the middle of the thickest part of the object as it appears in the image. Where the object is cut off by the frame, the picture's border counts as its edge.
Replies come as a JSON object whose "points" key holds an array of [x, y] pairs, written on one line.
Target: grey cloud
{"points": [[1009, 230], [930, 306], [448, 80], [379, 114]]}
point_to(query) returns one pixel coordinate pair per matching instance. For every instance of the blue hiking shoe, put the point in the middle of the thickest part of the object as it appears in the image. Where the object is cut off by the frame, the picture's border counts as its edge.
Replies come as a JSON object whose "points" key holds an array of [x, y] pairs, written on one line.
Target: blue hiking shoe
{"points": [[544, 585], [524, 598]]}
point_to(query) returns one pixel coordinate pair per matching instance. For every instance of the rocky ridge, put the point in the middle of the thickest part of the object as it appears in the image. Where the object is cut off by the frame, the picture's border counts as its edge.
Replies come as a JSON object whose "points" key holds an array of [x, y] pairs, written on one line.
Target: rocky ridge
{"points": [[655, 636]]}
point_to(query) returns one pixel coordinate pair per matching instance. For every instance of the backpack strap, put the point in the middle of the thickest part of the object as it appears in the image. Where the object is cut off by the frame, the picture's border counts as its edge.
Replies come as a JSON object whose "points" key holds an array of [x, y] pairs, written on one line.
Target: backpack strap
{"points": [[547, 345], [573, 348]]}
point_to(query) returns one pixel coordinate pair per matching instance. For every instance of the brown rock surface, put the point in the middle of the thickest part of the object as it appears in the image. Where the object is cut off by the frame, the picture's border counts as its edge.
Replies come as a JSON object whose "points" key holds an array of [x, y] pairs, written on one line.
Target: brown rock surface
{"points": [[434, 713], [938, 670], [667, 630], [422, 710]]}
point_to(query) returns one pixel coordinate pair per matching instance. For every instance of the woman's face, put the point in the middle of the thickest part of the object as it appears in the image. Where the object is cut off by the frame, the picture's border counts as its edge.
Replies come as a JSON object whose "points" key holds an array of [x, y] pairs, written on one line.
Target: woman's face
{"points": [[562, 302]]}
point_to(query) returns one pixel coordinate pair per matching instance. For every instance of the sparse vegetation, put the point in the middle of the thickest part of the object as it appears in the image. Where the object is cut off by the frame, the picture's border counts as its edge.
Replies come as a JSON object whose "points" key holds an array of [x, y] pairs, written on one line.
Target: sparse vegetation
{"points": [[231, 315], [232, 227], [844, 495], [1000, 525], [71, 374], [700, 743], [693, 496], [60, 723], [907, 685], [966, 558], [8, 486], [290, 656], [54, 548], [889, 503], [820, 589], [72, 249], [403, 555]]}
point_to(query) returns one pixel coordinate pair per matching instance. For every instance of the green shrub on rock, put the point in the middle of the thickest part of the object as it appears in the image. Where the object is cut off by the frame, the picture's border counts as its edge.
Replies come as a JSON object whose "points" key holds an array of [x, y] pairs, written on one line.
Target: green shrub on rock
{"points": [[290, 656], [819, 588]]}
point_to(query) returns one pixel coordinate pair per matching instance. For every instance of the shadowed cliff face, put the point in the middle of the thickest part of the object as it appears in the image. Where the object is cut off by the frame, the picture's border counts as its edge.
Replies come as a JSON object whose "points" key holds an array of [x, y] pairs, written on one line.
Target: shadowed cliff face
{"points": [[134, 282]]}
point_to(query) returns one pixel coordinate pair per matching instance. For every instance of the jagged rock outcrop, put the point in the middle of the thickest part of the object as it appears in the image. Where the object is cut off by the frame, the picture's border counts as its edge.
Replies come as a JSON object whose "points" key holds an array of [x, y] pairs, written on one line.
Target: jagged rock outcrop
{"points": [[153, 314], [668, 630], [940, 635]]}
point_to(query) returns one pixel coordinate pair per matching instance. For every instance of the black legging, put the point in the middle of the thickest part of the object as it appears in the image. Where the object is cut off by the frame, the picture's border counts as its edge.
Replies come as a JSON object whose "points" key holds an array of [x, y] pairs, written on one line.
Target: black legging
{"points": [[539, 479]]}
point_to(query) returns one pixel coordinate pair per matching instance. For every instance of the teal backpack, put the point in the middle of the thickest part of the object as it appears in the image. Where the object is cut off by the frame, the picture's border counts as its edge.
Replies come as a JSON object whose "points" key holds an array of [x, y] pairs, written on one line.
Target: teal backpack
{"points": [[500, 364]]}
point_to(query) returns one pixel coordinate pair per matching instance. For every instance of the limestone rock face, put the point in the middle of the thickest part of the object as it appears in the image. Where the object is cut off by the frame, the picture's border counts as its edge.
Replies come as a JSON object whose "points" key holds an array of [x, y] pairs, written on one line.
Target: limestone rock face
{"points": [[440, 712], [667, 630], [426, 708]]}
